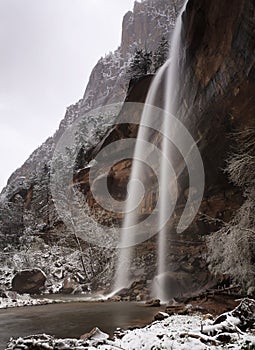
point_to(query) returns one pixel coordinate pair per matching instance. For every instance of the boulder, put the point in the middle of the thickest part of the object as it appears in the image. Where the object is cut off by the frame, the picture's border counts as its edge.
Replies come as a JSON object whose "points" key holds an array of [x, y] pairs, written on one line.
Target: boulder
{"points": [[153, 303], [126, 298], [95, 334], [115, 298], [141, 297], [69, 286], [138, 287], [177, 309], [29, 281], [160, 316]]}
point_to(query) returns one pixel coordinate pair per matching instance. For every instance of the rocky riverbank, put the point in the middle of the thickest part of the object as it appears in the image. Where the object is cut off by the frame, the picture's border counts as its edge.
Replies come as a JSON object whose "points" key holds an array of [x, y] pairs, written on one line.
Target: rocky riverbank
{"points": [[231, 330]]}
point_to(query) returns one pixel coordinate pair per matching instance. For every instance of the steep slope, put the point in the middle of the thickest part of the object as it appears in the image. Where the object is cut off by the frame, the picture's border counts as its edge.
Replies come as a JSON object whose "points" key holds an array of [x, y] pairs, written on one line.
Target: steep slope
{"points": [[143, 27], [107, 84]]}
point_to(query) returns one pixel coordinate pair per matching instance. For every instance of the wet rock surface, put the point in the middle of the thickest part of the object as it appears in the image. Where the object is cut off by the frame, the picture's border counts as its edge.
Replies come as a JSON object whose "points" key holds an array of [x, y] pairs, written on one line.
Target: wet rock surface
{"points": [[153, 303]]}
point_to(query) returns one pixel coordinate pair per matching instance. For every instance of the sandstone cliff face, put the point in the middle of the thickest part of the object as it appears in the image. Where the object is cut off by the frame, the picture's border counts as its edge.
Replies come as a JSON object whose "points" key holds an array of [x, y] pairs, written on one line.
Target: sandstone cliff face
{"points": [[218, 85], [219, 76], [217, 81]]}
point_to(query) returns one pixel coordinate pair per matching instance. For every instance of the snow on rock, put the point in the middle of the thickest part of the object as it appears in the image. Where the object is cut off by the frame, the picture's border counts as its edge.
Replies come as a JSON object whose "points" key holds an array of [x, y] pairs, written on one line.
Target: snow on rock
{"points": [[59, 263], [95, 334], [237, 320], [168, 334], [46, 342], [13, 299]]}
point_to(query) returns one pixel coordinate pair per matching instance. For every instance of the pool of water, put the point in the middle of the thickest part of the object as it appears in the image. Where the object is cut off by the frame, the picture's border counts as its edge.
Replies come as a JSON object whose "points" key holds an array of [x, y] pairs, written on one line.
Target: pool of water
{"points": [[72, 319]]}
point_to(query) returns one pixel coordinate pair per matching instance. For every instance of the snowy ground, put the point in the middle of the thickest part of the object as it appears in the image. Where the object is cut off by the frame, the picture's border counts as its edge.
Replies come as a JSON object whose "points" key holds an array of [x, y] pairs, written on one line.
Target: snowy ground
{"points": [[13, 299], [175, 332]]}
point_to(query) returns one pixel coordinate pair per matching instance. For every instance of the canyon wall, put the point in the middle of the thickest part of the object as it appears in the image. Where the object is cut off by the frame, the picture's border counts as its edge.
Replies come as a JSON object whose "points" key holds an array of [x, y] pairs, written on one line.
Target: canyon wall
{"points": [[218, 86]]}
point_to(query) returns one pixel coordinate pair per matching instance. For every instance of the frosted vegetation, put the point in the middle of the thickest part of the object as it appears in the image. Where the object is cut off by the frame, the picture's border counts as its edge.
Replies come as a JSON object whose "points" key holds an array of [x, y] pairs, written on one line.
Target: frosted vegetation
{"points": [[231, 249]]}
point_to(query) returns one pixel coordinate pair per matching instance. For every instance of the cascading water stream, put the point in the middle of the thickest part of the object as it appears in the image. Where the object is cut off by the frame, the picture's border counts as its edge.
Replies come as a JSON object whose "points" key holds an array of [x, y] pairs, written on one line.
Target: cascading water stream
{"points": [[135, 194], [170, 73], [170, 108]]}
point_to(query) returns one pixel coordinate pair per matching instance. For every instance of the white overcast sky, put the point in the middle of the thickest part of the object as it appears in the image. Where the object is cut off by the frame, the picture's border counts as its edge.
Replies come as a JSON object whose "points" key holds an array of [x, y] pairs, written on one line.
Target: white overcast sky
{"points": [[47, 51]]}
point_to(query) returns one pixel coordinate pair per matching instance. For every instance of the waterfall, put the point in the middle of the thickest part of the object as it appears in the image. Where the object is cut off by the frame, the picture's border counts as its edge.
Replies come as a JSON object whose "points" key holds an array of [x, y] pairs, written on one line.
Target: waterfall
{"points": [[170, 107], [169, 73]]}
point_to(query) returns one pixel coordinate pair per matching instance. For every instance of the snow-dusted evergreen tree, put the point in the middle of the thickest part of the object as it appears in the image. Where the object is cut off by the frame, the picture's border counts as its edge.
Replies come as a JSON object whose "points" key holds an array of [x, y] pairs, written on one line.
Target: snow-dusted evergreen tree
{"points": [[145, 62], [161, 54], [232, 248], [141, 64]]}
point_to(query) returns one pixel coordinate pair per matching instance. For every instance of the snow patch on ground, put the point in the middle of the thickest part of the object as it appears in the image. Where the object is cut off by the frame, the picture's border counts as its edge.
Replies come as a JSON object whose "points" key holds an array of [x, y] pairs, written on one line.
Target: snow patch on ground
{"points": [[13, 299]]}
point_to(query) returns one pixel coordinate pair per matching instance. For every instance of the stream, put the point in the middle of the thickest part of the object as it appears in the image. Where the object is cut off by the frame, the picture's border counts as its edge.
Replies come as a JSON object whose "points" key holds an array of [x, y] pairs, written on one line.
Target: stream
{"points": [[72, 319]]}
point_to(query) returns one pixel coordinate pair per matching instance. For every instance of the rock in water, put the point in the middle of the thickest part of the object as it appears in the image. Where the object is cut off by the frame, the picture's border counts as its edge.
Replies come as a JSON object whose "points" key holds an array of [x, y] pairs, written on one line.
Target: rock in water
{"points": [[160, 316], [153, 303], [29, 281]]}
